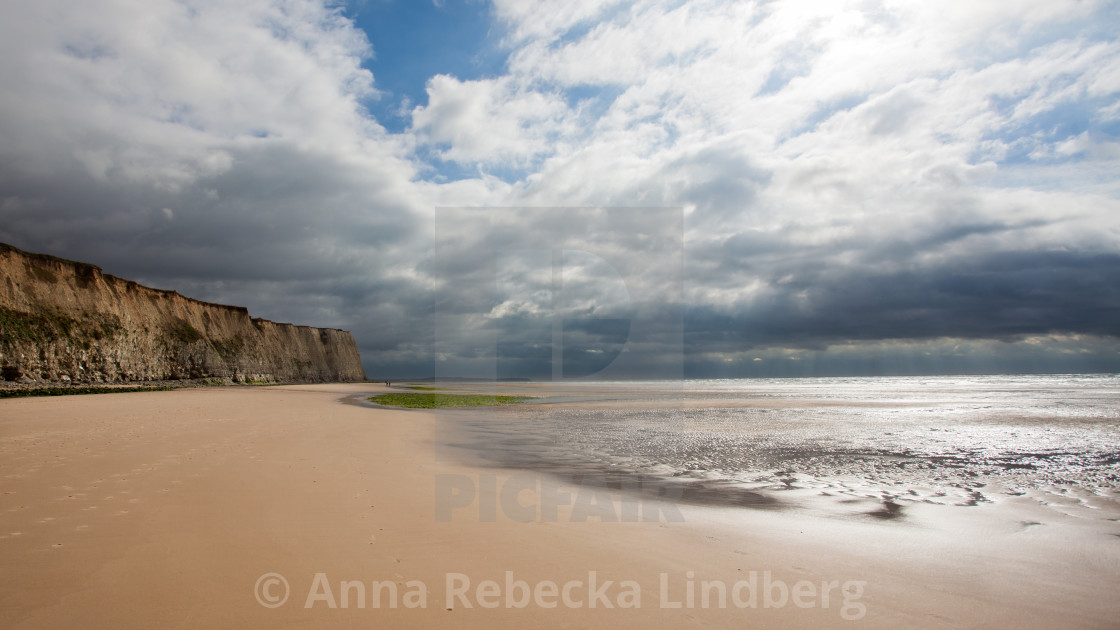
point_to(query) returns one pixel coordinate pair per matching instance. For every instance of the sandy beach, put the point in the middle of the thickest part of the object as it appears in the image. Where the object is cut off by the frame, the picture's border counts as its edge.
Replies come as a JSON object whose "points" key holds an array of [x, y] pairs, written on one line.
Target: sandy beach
{"points": [[285, 507]]}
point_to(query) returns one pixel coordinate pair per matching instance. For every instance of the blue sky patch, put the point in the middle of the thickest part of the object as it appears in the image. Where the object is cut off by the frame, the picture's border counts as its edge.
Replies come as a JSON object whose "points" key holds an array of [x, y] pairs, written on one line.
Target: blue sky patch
{"points": [[414, 40]]}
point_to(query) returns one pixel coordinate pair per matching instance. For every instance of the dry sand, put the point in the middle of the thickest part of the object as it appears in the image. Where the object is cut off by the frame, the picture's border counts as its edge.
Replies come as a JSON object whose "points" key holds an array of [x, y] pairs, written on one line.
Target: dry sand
{"points": [[165, 509]]}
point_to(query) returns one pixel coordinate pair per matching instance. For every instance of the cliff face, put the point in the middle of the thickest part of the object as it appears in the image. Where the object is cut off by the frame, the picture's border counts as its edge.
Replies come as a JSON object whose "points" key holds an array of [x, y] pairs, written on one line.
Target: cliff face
{"points": [[67, 321]]}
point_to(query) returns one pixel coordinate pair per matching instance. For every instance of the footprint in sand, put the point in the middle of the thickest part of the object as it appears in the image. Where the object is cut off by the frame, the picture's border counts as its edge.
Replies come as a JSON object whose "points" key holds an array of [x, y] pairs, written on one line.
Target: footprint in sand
{"points": [[81, 528], [46, 519]]}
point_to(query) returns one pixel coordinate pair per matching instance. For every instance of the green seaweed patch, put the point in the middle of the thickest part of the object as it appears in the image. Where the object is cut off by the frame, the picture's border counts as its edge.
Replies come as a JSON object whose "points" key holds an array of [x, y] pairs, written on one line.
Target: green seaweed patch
{"points": [[434, 401], [72, 391]]}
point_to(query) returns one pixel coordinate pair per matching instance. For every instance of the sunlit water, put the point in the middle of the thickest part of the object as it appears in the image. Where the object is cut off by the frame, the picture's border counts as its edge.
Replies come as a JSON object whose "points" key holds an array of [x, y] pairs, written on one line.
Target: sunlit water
{"points": [[792, 442]]}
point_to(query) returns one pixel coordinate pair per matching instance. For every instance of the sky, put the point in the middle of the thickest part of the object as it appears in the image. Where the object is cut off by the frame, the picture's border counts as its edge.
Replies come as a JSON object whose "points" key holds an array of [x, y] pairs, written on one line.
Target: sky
{"points": [[602, 189]]}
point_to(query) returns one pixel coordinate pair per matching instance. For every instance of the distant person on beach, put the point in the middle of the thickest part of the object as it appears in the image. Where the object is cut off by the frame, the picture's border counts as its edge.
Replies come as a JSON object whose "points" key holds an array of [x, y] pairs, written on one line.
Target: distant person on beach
{"points": [[388, 383]]}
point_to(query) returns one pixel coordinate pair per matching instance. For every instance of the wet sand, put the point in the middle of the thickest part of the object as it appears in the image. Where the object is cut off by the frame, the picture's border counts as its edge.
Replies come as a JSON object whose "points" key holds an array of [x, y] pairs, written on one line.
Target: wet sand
{"points": [[167, 508]]}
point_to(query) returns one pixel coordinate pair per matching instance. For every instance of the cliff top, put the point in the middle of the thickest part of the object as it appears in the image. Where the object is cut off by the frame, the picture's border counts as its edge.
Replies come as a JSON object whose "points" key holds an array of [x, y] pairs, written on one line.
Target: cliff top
{"points": [[91, 269]]}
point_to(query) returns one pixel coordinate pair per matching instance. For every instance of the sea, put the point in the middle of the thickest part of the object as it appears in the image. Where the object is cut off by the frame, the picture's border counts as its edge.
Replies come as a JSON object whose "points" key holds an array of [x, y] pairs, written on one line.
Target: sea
{"points": [[871, 446]]}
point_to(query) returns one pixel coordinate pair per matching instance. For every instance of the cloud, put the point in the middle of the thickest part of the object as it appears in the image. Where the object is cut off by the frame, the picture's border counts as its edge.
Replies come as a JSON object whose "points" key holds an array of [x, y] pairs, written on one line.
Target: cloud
{"points": [[488, 121], [992, 296], [531, 19], [144, 91], [865, 176], [837, 159], [218, 149]]}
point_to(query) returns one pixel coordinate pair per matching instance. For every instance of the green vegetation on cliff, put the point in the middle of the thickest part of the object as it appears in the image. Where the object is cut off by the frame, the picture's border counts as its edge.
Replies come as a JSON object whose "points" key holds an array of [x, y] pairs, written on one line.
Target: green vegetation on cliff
{"points": [[48, 325], [180, 332]]}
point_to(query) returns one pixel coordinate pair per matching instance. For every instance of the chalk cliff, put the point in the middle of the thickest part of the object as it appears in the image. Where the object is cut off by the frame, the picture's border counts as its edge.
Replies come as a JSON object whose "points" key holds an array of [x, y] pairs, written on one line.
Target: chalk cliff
{"points": [[63, 321]]}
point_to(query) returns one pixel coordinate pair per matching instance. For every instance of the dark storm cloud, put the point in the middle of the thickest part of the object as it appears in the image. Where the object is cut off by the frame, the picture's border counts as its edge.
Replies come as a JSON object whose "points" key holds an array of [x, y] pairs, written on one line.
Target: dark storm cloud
{"points": [[277, 213], [545, 291], [999, 296]]}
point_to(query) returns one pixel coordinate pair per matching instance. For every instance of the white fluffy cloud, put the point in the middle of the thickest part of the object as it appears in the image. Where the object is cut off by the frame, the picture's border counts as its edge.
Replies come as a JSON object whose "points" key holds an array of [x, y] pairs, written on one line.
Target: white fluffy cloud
{"points": [[490, 120], [217, 148], [156, 91], [533, 19], [861, 115], [820, 150]]}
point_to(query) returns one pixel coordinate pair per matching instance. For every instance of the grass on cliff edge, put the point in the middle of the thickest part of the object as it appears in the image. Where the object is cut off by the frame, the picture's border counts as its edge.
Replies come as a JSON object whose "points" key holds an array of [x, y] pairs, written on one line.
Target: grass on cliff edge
{"points": [[433, 401]]}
